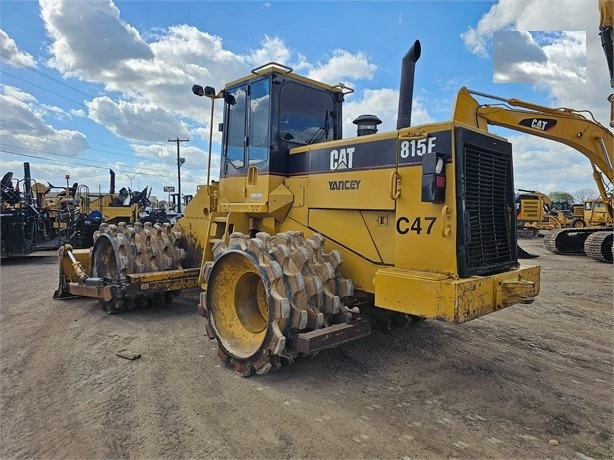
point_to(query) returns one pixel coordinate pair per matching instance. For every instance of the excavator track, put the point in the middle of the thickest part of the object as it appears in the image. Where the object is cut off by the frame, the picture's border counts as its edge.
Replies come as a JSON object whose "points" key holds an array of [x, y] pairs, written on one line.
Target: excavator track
{"points": [[580, 241], [599, 246], [567, 241], [267, 298]]}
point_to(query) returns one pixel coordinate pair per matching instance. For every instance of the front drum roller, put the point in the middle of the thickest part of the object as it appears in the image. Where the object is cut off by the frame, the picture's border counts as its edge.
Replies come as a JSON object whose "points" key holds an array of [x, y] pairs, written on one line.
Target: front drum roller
{"points": [[121, 250], [111, 261], [262, 291]]}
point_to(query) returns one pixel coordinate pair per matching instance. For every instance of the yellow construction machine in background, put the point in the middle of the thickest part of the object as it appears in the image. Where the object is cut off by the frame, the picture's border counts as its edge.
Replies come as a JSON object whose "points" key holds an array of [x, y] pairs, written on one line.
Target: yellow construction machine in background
{"points": [[72, 213], [23, 225], [596, 213], [113, 208], [537, 212]]}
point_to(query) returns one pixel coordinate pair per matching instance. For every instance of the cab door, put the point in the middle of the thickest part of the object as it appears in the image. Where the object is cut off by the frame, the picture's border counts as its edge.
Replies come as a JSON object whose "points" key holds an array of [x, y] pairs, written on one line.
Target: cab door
{"points": [[234, 164], [246, 141], [258, 141]]}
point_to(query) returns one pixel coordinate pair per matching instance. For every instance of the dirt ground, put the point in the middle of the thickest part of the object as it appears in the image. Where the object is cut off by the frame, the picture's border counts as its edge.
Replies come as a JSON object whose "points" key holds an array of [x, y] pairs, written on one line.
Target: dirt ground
{"points": [[531, 381]]}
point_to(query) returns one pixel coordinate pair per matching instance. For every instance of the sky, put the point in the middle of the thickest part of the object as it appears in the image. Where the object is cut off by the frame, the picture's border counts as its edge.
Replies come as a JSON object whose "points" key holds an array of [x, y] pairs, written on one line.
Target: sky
{"points": [[92, 85]]}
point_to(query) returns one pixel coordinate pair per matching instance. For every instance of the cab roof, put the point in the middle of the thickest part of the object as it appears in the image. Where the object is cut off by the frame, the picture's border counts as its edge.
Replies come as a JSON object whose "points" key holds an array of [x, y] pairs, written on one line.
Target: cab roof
{"points": [[275, 67]]}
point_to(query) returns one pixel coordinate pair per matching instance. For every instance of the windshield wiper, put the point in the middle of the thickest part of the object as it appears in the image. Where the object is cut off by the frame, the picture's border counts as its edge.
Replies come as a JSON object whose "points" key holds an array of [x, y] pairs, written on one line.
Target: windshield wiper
{"points": [[322, 132]]}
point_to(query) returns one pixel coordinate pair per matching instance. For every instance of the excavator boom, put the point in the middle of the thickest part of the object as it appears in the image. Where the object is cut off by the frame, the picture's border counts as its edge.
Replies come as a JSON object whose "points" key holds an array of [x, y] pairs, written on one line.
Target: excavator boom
{"points": [[569, 127], [563, 125]]}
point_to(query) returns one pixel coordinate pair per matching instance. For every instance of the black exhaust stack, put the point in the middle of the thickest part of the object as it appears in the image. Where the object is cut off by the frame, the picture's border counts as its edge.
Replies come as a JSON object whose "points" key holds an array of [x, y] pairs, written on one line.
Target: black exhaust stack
{"points": [[27, 178], [112, 189], [406, 90]]}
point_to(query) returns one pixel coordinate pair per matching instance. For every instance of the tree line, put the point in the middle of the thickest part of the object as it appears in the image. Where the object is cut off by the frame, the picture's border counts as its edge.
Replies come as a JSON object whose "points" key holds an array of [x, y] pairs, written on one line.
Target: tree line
{"points": [[580, 196]]}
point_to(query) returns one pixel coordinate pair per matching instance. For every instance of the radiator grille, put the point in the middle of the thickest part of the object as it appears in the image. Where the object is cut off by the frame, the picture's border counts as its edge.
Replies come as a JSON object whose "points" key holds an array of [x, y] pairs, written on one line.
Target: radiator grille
{"points": [[490, 240]]}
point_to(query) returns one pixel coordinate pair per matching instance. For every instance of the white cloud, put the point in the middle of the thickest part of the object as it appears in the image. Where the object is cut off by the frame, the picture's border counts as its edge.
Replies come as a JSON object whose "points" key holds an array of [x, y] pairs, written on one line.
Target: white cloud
{"points": [[134, 121], [272, 49], [476, 42], [518, 58], [563, 166], [553, 15], [10, 54], [500, 16], [530, 15], [548, 166], [343, 65], [511, 46], [78, 113], [24, 130], [140, 85], [17, 94], [383, 103], [89, 39], [149, 76]]}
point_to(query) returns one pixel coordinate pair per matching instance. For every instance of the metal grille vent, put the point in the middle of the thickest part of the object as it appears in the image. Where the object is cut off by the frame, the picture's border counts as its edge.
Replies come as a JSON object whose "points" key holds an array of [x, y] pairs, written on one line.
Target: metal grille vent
{"points": [[488, 186]]}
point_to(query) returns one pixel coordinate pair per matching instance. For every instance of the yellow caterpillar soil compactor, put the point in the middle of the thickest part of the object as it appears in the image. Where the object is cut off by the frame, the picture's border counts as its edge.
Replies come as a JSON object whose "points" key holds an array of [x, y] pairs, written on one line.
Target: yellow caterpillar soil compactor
{"points": [[307, 236]]}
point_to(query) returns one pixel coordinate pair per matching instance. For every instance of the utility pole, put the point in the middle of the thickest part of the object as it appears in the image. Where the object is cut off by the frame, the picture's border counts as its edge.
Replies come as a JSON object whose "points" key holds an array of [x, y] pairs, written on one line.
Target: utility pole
{"points": [[131, 177], [180, 161]]}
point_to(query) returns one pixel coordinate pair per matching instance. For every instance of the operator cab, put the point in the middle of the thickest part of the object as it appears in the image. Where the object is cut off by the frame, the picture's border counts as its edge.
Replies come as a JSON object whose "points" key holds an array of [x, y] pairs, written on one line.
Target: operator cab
{"points": [[272, 111]]}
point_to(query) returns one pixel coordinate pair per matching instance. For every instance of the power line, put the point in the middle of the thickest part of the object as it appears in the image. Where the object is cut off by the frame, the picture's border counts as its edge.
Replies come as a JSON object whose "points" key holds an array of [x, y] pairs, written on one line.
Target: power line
{"points": [[147, 122], [62, 155], [73, 144], [86, 165], [77, 90], [125, 119], [84, 93]]}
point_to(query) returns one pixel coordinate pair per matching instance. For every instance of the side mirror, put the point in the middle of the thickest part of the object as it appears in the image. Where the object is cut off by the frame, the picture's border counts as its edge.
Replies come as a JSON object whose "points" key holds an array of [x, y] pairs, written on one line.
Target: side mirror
{"points": [[229, 99]]}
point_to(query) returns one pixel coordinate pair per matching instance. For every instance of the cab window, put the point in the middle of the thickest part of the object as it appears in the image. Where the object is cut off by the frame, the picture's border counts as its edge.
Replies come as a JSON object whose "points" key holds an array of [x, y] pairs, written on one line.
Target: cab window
{"points": [[306, 114], [235, 130], [259, 112]]}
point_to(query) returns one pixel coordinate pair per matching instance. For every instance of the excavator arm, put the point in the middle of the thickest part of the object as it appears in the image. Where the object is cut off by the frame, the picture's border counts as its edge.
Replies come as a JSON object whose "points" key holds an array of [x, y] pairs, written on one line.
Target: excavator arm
{"points": [[563, 125]]}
